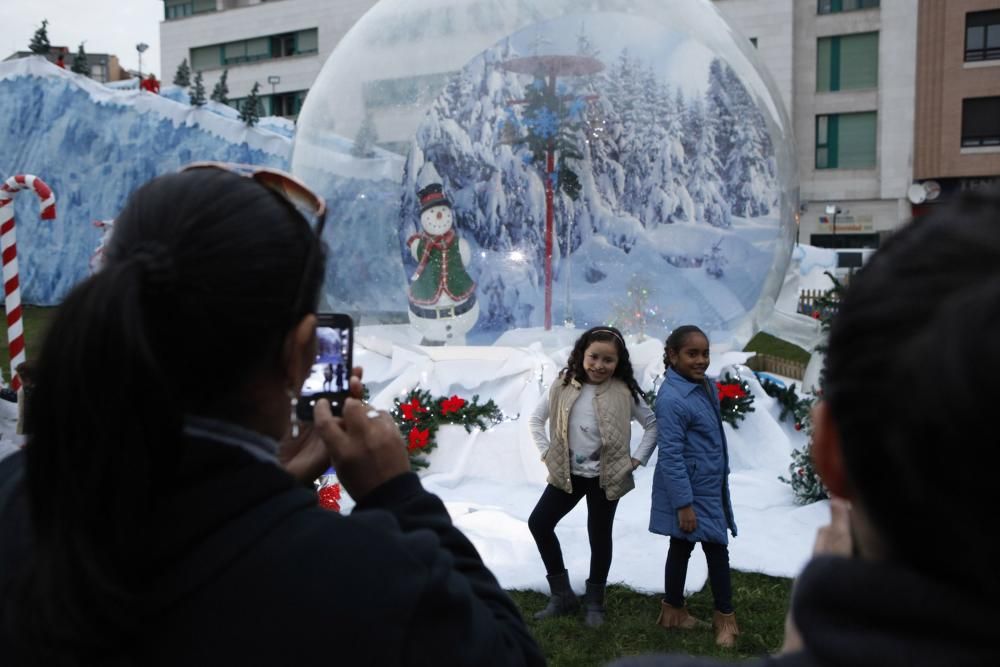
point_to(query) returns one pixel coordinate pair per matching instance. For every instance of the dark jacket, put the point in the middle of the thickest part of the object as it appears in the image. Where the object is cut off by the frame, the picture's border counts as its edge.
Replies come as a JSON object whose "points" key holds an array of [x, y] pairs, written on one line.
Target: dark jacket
{"points": [[251, 572], [692, 462], [875, 614]]}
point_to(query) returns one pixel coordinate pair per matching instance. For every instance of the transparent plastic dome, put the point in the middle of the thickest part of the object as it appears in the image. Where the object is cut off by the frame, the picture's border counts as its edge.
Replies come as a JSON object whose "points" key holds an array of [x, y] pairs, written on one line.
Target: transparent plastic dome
{"points": [[603, 162]]}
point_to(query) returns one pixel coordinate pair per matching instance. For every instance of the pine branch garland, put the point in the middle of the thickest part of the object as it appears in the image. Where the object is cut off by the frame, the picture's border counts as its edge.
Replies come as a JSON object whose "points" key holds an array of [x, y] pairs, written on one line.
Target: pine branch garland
{"points": [[419, 416], [735, 399]]}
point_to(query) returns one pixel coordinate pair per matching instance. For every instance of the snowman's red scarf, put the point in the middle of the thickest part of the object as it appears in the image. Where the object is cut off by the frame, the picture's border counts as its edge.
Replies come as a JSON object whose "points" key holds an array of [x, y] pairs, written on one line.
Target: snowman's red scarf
{"points": [[441, 243]]}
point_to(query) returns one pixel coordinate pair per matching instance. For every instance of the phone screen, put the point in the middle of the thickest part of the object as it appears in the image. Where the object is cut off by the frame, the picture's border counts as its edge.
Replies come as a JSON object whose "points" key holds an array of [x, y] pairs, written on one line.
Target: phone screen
{"points": [[331, 371]]}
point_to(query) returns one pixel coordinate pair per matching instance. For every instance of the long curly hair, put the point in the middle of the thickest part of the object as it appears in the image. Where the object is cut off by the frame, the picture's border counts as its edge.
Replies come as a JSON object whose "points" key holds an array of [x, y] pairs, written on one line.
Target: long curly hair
{"points": [[623, 371]]}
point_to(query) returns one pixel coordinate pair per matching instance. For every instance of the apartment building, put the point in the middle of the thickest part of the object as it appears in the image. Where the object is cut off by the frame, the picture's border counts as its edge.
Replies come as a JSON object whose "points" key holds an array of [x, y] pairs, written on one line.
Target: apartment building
{"points": [[958, 100], [104, 67], [279, 44], [846, 69]]}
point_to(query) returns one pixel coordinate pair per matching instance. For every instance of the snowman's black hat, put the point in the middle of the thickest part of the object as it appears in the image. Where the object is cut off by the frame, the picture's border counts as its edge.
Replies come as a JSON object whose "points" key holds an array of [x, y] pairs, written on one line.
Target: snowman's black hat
{"points": [[432, 195]]}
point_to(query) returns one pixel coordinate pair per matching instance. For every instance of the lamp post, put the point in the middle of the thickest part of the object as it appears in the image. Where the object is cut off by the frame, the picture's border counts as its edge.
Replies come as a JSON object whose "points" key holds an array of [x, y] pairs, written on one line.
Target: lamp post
{"points": [[832, 210], [141, 48], [274, 80]]}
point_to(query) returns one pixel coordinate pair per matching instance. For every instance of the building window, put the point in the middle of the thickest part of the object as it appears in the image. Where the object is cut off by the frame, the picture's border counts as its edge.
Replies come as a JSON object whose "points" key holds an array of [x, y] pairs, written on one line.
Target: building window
{"points": [[178, 9], [982, 36], [981, 122], [286, 104], [252, 50], [847, 62], [846, 141], [837, 6]]}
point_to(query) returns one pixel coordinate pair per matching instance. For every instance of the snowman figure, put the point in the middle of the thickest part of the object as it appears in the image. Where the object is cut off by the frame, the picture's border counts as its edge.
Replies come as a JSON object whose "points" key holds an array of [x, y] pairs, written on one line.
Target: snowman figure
{"points": [[443, 305]]}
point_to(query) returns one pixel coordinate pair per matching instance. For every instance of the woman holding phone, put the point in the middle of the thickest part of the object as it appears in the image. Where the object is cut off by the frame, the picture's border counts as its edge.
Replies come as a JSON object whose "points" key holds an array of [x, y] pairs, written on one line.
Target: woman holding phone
{"points": [[161, 514]]}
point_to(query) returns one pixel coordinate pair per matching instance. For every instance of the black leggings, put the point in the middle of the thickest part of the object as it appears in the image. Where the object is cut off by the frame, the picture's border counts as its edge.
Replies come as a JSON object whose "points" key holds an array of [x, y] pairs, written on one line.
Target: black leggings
{"points": [[675, 573], [554, 505]]}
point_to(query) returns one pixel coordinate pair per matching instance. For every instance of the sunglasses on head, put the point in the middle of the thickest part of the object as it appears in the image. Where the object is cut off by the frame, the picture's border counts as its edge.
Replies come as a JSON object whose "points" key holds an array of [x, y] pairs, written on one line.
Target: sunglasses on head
{"points": [[310, 205], [295, 192]]}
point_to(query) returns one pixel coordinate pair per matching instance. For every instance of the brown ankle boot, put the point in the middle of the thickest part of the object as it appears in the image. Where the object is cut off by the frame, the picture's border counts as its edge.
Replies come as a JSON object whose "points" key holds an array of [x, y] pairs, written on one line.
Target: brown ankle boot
{"points": [[677, 617], [725, 629]]}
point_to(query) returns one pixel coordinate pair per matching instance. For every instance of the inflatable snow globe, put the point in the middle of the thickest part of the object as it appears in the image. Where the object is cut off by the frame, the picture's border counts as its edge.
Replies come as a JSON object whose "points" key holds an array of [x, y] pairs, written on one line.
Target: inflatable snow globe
{"points": [[493, 165]]}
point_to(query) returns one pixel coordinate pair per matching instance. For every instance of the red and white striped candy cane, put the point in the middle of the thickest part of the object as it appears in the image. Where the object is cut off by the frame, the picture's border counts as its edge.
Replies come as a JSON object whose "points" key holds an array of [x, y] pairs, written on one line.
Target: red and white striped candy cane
{"points": [[8, 244]]}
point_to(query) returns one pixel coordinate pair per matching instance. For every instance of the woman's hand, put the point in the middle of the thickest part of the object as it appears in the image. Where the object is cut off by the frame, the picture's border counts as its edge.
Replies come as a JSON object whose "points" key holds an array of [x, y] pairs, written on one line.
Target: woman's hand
{"points": [[687, 520], [636, 463], [832, 539], [305, 458], [364, 445]]}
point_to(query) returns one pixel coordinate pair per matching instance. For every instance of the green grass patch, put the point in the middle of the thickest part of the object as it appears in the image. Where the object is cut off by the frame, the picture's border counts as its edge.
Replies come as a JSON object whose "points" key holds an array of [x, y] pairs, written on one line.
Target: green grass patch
{"points": [[776, 347], [36, 322], [630, 625]]}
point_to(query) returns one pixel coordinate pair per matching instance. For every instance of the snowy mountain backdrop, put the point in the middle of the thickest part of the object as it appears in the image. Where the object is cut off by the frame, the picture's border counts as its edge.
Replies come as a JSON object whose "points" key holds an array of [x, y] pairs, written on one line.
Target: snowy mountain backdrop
{"points": [[94, 145]]}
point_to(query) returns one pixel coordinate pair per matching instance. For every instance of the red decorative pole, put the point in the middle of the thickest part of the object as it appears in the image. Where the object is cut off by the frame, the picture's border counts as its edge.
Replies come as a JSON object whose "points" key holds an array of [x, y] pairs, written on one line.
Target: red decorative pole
{"points": [[550, 67]]}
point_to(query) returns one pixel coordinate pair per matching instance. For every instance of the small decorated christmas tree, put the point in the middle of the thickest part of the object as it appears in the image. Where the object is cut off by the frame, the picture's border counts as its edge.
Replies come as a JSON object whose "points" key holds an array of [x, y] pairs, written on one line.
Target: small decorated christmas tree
{"points": [[220, 93], [80, 64], [182, 77], [197, 92], [250, 107], [40, 40], [632, 314]]}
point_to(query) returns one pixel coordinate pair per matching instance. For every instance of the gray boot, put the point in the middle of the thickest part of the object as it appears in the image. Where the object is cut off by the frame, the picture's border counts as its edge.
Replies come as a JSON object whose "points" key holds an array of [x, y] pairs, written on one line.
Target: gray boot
{"points": [[563, 601], [593, 603]]}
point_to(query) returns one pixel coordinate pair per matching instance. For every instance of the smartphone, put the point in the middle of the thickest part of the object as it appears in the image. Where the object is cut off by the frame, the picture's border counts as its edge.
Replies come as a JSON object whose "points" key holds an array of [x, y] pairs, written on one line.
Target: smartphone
{"points": [[331, 371]]}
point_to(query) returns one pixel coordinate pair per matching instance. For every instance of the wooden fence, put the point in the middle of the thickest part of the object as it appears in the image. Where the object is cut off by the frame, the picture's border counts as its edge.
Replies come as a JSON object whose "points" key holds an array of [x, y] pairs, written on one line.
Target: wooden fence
{"points": [[808, 304], [767, 363]]}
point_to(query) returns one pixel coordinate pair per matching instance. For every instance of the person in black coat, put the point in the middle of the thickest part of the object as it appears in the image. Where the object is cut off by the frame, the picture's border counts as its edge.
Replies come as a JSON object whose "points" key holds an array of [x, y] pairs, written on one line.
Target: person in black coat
{"points": [[164, 512], [905, 441]]}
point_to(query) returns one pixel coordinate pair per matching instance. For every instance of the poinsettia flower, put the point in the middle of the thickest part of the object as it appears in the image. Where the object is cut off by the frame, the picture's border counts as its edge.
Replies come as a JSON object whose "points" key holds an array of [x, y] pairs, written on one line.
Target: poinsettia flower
{"points": [[453, 404], [412, 409], [329, 497], [418, 438], [730, 390]]}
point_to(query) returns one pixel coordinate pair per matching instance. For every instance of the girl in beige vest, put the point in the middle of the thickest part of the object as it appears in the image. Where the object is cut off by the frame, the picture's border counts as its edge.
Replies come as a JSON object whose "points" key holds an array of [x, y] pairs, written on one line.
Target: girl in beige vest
{"points": [[586, 450]]}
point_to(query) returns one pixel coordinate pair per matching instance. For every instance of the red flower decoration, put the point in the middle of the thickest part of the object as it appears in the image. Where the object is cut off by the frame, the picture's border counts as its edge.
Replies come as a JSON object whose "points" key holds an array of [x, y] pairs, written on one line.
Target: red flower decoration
{"points": [[453, 404], [730, 391], [417, 438], [412, 409], [329, 497]]}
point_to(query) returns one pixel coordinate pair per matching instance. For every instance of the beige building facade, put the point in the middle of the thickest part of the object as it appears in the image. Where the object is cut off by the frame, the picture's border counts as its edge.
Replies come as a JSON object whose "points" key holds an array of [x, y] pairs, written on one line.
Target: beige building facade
{"points": [[958, 99]]}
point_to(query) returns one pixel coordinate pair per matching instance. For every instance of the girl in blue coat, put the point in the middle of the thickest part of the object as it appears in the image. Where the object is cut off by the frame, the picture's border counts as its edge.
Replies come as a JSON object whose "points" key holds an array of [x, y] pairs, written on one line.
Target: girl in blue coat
{"points": [[691, 483]]}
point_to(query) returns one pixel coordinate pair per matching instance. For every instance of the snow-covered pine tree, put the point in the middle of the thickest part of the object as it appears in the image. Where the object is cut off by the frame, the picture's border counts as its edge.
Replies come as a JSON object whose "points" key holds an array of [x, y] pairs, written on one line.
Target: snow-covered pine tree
{"points": [[250, 106], [40, 40], [715, 261], [365, 139], [748, 173], [197, 92], [704, 183], [632, 149], [80, 64], [182, 77], [719, 107], [220, 93]]}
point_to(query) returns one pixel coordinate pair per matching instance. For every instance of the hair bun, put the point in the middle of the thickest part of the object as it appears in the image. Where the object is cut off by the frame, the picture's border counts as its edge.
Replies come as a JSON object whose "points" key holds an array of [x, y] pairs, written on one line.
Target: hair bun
{"points": [[159, 272]]}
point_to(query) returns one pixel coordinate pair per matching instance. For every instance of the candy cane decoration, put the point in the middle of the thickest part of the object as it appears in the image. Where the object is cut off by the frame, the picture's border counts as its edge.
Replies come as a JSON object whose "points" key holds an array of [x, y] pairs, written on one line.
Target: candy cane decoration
{"points": [[8, 244]]}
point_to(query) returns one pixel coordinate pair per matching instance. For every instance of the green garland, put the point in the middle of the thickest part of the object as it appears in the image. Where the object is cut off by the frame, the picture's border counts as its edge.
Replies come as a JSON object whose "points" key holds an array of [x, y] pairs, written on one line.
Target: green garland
{"points": [[802, 475], [419, 416], [735, 399]]}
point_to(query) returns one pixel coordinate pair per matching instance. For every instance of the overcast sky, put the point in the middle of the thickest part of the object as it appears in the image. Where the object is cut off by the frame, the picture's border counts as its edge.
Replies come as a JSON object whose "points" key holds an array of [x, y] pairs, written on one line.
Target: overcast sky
{"points": [[107, 26]]}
